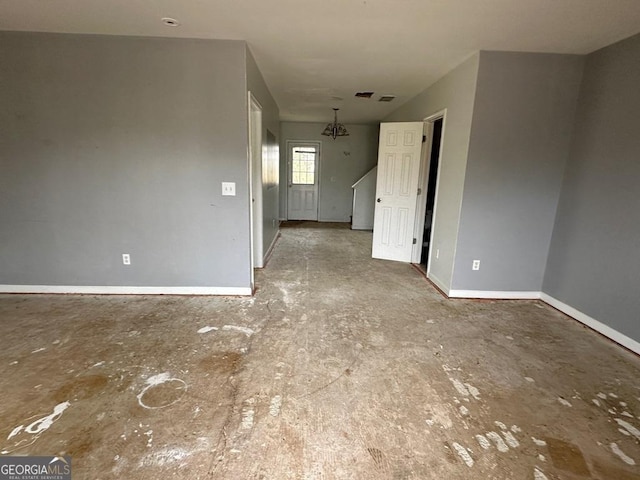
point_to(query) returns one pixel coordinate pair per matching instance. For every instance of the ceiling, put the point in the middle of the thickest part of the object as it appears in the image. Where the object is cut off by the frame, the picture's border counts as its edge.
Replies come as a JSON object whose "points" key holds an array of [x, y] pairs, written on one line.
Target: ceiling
{"points": [[316, 54]]}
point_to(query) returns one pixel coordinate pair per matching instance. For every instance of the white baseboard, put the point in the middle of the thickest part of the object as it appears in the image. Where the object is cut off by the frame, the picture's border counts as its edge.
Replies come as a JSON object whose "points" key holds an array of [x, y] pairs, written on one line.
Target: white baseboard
{"points": [[438, 283], [267, 255], [361, 226], [121, 290], [333, 220], [273, 244], [494, 294], [600, 327]]}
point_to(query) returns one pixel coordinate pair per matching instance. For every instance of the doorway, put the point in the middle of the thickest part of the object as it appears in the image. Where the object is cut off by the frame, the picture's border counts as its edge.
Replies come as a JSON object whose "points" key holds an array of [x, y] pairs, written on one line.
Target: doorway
{"points": [[255, 184], [432, 177], [303, 162], [426, 217]]}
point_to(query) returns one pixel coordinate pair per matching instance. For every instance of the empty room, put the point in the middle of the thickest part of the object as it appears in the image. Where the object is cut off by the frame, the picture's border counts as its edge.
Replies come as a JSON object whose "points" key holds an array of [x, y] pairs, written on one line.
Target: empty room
{"points": [[371, 239]]}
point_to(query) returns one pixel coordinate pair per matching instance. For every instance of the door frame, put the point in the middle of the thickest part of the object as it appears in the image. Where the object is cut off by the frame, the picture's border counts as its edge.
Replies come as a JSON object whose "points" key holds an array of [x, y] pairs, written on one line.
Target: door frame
{"points": [[288, 144], [423, 183], [255, 183]]}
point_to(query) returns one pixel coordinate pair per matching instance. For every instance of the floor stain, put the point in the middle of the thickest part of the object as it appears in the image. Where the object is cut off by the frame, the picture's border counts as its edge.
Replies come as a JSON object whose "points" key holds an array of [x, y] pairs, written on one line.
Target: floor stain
{"points": [[81, 388], [567, 457], [224, 363], [81, 444]]}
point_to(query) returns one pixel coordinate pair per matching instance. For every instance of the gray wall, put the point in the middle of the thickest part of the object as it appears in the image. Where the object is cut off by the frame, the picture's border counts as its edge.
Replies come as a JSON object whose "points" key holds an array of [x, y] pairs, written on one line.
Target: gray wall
{"points": [[270, 158], [343, 161], [454, 92], [112, 145], [594, 259], [522, 122]]}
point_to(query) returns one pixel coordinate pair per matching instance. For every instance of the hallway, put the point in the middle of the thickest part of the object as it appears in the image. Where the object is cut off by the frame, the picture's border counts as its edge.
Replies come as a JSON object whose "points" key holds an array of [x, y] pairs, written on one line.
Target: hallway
{"points": [[340, 367]]}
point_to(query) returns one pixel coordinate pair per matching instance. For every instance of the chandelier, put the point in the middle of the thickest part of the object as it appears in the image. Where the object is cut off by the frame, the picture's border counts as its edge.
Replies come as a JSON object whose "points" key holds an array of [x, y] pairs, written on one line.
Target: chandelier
{"points": [[335, 129]]}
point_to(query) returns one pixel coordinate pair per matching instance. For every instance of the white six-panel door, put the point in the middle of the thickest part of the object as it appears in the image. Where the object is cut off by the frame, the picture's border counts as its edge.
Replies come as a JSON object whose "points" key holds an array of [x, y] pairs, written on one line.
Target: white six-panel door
{"points": [[302, 197], [397, 190]]}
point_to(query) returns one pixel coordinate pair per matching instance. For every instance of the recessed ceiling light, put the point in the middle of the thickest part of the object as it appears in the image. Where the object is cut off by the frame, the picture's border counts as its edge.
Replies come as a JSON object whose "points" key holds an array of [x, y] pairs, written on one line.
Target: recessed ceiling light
{"points": [[170, 22], [387, 98], [364, 94]]}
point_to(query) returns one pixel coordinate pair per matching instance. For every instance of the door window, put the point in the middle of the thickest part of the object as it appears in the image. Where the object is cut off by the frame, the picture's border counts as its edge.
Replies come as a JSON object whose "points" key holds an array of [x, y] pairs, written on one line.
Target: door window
{"points": [[303, 166]]}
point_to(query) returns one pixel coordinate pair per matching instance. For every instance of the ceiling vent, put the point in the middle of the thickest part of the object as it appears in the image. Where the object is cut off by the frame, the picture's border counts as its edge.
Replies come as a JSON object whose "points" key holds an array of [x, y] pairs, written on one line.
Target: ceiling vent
{"points": [[170, 22], [364, 94], [387, 98]]}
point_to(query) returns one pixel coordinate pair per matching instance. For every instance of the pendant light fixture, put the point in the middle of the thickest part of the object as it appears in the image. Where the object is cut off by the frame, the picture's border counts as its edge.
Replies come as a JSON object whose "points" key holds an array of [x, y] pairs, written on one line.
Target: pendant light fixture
{"points": [[335, 129]]}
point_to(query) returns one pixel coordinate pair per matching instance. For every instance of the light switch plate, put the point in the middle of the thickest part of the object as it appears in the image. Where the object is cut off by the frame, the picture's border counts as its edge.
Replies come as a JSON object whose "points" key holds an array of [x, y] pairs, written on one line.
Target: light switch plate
{"points": [[228, 189]]}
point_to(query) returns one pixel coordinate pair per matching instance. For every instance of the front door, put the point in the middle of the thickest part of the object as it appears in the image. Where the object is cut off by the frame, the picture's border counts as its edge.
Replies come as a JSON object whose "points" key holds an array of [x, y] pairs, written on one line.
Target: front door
{"points": [[397, 190], [303, 162]]}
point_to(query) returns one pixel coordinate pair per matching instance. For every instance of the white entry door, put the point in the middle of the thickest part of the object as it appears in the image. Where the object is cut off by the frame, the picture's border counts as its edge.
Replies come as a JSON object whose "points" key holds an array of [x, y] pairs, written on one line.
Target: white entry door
{"points": [[303, 159], [397, 190]]}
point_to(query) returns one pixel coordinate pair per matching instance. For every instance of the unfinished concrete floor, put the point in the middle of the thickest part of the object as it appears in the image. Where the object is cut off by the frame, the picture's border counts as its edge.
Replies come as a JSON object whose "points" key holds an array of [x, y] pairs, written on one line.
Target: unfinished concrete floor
{"points": [[341, 367]]}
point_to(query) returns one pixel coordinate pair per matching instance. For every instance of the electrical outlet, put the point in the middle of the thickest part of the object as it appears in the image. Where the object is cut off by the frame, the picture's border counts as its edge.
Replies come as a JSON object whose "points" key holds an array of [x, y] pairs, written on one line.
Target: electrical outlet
{"points": [[126, 259], [229, 189], [475, 265]]}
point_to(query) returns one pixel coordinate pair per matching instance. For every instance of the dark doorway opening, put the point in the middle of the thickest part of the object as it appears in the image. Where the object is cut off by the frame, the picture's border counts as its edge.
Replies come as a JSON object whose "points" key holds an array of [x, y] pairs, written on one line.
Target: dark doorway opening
{"points": [[434, 162]]}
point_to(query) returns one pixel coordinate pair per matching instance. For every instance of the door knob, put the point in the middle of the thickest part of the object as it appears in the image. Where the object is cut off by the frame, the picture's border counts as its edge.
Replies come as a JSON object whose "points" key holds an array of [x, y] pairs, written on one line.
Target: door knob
{"points": [[378, 200]]}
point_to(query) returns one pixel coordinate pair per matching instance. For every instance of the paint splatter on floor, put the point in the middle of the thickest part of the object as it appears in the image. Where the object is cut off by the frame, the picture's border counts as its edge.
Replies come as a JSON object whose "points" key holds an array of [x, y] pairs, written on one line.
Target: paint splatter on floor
{"points": [[25, 436], [539, 475], [484, 443], [629, 428], [540, 443], [274, 407], [463, 454], [623, 456], [248, 414], [247, 331], [498, 441], [161, 391], [207, 329], [564, 402]]}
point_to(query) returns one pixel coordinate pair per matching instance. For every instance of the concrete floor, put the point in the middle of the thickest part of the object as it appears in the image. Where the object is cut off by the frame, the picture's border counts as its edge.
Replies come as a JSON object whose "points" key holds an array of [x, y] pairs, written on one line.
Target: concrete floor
{"points": [[341, 367]]}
